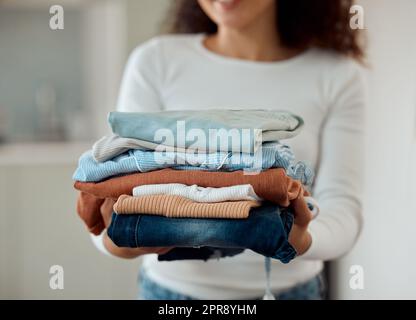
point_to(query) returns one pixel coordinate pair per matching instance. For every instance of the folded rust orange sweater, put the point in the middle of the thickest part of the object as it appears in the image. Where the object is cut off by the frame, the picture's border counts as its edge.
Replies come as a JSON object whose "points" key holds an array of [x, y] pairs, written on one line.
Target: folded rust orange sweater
{"points": [[272, 185], [173, 206]]}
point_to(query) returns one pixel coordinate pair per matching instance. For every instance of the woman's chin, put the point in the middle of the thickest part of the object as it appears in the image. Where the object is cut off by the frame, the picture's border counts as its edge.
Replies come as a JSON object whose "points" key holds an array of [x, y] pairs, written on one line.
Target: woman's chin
{"points": [[226, 5], [231, 23]]}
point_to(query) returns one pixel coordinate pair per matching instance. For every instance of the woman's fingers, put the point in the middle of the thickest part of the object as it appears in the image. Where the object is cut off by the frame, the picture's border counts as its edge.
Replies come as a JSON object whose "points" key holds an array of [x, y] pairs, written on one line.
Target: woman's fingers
{"points": [[301, 211], [158, 250], [106, 210], [130, 253]]}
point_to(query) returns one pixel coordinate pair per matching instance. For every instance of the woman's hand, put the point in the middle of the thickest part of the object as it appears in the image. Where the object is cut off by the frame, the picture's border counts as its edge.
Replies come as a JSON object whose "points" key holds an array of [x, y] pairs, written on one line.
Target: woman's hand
{"points": [[130, 253], [299, 237], [127, 253]]}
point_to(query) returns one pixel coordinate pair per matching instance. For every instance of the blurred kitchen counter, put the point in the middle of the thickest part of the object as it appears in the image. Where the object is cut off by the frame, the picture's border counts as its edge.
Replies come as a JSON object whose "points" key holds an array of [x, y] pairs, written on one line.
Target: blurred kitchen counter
{"points": [[42, 153]]}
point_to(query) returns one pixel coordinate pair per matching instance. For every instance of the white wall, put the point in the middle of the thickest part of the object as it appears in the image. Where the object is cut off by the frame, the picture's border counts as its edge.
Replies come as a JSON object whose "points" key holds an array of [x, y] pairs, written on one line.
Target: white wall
{"points": [[113, 28], [145, 19], [387, 249], [104, 50]]}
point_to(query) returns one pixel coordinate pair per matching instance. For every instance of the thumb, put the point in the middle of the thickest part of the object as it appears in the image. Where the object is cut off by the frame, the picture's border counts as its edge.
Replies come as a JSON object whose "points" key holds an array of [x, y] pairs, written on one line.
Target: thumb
{"points": [[301, 211], [106, 210]]}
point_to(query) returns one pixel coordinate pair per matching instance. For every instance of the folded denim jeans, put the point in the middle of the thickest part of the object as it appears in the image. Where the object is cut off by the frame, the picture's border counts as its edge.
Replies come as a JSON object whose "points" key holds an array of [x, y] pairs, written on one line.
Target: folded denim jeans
{"points": [[265, 231], [201, 253]]}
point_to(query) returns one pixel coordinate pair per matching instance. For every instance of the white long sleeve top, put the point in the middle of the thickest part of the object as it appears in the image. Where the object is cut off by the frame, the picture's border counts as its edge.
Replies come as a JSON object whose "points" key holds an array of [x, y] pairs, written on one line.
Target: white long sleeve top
{"points": [[177, 72]]}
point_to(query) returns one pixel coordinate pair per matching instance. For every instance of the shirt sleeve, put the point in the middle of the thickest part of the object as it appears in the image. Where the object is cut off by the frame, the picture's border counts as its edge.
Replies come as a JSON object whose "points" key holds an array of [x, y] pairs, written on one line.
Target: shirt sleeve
{"points": [[142, 80], [339, 182], [99, 244]]}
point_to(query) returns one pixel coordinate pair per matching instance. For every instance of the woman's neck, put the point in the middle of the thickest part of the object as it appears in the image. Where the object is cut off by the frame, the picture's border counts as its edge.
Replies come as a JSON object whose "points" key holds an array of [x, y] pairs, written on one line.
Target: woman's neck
{"points": [[257, 42]]}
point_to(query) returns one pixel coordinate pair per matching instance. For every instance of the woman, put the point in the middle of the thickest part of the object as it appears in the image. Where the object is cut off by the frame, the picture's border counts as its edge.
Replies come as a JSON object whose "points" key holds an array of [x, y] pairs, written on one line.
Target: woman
{"points": [[296, 55]]}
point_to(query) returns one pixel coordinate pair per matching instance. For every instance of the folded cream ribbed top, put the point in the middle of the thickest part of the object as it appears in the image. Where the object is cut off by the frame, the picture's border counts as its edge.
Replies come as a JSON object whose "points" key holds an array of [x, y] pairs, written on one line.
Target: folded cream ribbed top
{"points": [[199, 194], [173, 206]]}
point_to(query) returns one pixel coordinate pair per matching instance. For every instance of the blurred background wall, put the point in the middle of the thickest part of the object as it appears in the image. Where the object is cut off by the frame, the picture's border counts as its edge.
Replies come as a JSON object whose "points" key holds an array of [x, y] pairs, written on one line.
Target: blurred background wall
{"points": [[386, 250], [56, 88]]}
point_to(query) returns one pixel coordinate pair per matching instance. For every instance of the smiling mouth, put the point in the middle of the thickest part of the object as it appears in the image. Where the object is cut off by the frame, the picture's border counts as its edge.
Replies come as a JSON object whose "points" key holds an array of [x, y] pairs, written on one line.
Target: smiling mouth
{"points": [[226, 4]]}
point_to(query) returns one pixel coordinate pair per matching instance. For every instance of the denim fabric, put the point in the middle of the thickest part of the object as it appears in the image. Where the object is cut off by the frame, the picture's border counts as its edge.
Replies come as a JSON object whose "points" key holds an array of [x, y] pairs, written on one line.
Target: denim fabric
{"points": [[270, 155], [314, 289], [194, 128], [265, 231], [202, 253]]}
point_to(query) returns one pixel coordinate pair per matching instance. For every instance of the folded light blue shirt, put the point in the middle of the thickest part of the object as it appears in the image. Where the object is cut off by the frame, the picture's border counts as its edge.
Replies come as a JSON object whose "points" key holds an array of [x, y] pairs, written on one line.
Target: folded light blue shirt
{"points": [[208, 130], [270, 155]]}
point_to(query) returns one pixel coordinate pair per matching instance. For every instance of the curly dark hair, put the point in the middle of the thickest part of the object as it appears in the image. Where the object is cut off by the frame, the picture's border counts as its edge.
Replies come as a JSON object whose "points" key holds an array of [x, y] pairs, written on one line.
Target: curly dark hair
{"points": [[301, 24]]}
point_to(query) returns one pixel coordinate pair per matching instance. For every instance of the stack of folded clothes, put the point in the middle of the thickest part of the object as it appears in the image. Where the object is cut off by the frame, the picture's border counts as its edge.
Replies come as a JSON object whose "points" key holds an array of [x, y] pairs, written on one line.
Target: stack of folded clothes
{"points": [[177, 184]]}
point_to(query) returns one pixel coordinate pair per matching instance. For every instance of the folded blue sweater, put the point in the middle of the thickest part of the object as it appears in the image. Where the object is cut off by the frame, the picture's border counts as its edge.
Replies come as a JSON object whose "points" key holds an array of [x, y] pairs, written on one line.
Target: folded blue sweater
{"points": [[270, 155]]}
